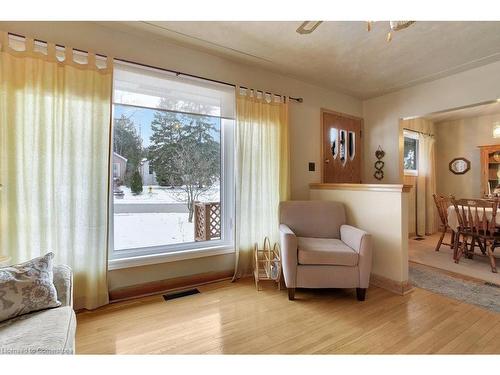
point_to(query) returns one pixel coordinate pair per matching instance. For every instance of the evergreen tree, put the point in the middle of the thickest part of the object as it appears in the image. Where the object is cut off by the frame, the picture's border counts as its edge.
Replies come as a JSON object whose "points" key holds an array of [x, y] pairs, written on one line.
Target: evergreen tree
{"points": [[127, 143], [136, 183], [185, 153]]}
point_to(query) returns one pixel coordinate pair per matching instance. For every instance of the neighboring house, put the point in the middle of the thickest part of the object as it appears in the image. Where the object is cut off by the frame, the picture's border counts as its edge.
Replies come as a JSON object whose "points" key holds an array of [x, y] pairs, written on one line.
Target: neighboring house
{"points": [[119, 166], [147, 173]]}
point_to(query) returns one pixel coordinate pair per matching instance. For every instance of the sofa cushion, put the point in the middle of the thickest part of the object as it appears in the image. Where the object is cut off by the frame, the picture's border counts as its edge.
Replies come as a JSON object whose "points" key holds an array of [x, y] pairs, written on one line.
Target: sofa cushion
{"points": [[325, 251], [44, 332], [27, 287]]}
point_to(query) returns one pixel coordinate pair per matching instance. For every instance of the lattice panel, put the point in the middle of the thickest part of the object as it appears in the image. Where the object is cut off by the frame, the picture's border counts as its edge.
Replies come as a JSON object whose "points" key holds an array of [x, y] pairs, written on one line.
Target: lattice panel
{"points": [[207, 221]]}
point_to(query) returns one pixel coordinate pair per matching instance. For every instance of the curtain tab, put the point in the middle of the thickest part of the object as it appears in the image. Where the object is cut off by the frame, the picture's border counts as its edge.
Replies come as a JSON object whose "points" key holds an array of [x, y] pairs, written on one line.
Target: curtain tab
{"points": [[68, 55], [4, 41], [91, 62], [29, 45], [109, 63], [51, 52]]}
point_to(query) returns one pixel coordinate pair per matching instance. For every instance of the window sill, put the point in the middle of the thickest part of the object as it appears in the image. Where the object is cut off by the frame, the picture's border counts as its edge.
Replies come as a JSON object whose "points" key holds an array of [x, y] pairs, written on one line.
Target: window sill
{"points": [[410, 172], [145, 260]]}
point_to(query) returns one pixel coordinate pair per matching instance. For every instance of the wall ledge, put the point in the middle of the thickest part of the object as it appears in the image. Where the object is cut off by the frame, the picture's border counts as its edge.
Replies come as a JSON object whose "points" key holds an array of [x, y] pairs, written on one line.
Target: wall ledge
{"points": [[397, 188]]}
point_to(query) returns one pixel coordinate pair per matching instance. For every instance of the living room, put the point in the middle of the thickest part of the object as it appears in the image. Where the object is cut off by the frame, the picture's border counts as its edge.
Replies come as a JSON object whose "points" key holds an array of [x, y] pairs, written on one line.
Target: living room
{"points": [[239, 187]]}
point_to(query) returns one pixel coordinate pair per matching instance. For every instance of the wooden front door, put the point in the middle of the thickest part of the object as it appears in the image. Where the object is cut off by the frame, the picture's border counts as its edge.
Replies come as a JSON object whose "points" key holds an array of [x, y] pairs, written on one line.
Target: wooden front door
{"points": [[342, 147]]}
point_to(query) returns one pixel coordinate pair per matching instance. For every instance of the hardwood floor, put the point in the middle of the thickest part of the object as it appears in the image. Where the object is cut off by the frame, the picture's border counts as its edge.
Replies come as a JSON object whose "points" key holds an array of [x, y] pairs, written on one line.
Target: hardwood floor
{"points": [[235, 318]]}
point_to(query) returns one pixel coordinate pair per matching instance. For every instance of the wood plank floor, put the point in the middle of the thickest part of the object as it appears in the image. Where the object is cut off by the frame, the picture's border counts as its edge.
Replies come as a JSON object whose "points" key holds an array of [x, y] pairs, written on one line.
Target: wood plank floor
{"points": [[235, 318]]}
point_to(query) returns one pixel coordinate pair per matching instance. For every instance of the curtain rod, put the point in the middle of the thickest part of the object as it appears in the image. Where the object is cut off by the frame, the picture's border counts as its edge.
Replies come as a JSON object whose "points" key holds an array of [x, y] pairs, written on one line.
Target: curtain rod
{"points": [[299, 100], [419, 132]]}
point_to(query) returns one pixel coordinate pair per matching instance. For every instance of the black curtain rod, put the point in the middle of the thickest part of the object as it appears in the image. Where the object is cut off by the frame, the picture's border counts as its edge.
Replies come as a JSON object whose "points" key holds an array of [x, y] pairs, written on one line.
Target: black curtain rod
{"points": [[299, 100]]}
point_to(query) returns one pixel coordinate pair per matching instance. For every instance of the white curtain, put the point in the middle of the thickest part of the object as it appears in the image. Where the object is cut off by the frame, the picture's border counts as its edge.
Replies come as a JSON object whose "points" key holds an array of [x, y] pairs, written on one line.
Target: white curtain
{"points": [[426, 185], [262, 171], [54, 161]]}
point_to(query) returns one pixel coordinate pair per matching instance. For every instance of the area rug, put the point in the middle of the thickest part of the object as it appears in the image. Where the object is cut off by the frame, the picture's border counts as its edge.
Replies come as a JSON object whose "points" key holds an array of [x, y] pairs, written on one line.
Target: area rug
{"points": [[476, 293]]}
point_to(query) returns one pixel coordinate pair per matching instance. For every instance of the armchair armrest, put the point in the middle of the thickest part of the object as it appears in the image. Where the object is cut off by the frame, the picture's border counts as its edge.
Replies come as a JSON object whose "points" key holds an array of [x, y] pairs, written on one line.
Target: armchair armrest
{"points": [[361, 242], [288, 242]]}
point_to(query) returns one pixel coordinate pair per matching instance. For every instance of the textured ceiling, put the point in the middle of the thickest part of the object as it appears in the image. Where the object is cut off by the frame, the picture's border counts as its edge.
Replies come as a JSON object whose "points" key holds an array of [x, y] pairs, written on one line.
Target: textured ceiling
{"points": [[342, 55]]}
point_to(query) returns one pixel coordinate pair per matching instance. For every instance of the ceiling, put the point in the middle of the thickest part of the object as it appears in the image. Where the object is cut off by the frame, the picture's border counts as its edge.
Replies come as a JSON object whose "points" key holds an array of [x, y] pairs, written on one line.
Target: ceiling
{"points": [[342, 56], [492, 108]]}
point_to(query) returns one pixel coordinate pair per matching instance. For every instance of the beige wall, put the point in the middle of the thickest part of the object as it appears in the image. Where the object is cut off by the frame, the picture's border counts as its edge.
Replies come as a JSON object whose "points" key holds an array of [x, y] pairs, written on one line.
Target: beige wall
{"points": [[304, 118], [382, 114], [383, 215], [461, 138]]}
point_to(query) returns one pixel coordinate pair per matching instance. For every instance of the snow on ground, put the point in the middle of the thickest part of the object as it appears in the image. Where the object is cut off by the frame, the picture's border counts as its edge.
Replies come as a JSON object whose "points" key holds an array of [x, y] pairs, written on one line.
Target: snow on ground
{"points": [[139, 225], [164, 194], [151, 229]]}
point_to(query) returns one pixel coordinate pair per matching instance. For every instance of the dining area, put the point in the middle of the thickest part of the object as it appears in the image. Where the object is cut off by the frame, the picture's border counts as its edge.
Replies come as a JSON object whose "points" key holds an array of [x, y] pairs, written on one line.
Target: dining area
{"points": [[473, 227]]}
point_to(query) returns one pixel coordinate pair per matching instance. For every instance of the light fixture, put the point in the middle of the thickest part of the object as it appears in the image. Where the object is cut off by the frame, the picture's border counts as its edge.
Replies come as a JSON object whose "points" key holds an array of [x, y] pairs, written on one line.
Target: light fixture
{"points": [[393, 25], [496, 129]]}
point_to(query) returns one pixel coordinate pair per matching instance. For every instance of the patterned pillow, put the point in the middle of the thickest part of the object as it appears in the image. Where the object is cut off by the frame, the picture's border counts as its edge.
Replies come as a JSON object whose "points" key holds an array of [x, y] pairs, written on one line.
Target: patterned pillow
{"points": [[27, 287]]}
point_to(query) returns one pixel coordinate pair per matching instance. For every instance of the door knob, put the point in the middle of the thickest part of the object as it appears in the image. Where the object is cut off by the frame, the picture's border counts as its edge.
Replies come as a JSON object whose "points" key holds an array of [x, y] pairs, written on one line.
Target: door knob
{"points": [[327, 161]]}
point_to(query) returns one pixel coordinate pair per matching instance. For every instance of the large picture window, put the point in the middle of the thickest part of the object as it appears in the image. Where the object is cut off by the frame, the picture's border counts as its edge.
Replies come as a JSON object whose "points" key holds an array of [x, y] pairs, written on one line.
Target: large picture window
{"points": [[172, 163]]}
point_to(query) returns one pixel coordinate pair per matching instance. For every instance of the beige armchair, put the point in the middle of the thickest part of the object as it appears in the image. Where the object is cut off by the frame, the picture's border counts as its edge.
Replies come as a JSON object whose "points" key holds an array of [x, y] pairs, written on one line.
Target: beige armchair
{"points": [[320, 251]]}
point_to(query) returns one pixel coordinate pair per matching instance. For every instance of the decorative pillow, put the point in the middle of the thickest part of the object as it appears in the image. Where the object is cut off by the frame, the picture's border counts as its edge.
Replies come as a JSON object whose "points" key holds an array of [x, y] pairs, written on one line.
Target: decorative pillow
{"points": [[27, 287]]}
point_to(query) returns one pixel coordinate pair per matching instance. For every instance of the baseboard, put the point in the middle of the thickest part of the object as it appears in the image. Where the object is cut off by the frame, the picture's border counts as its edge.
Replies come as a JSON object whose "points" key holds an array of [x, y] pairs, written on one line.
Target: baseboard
{"points": [[393, 286], [162, 286]]}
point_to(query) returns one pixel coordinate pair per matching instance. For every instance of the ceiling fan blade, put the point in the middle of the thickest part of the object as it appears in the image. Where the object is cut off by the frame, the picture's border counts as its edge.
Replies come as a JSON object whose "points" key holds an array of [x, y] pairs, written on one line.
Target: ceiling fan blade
{"points": [[307, 27]]}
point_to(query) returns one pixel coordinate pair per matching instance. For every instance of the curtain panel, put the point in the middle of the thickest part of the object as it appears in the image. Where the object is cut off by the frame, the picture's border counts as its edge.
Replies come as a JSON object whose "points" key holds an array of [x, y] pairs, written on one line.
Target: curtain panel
{"points": [[55, 128], [426, 185], [262, 171]]}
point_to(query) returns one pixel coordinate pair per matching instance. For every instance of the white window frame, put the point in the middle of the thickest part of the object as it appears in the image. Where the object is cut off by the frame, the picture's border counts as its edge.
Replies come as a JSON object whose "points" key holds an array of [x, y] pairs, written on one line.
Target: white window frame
{"points": [[412, 135], [188, 250]]}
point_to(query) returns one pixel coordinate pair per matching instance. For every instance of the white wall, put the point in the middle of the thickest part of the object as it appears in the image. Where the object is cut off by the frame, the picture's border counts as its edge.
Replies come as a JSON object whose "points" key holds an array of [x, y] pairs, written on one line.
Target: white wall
{"points": [[383, 215], [304, 117], [461, 138], [382, 114]]}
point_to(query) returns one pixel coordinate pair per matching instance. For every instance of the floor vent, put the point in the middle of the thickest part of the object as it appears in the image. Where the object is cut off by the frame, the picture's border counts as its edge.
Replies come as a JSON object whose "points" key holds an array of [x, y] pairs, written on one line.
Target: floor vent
{"points": [[492, 284], [419, 238], [182, 293]]}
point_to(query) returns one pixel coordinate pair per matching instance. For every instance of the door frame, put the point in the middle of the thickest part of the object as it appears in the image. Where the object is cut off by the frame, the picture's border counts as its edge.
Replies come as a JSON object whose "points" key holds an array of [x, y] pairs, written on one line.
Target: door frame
{"points": [[322, 132]]}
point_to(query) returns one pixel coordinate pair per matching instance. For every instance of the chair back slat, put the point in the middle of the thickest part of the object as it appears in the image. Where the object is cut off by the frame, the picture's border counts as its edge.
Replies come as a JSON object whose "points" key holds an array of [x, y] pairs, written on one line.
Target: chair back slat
{"points": [[473, 215], [442, 204]]}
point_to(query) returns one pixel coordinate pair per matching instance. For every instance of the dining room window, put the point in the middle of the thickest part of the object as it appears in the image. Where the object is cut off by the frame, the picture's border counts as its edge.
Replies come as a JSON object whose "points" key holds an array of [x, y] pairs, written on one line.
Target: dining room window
{"points": [[410, 153]]}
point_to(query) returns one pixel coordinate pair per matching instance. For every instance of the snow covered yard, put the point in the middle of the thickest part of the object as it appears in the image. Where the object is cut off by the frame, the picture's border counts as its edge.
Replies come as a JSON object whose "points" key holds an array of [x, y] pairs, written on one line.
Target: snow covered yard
{"points": [[158, 216], [151, 229], [165, 194]]}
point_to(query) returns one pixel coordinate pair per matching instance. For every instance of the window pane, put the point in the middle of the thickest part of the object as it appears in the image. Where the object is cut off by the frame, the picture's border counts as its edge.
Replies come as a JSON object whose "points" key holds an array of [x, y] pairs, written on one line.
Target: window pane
{"points": [[165, 163], [410, 153]]}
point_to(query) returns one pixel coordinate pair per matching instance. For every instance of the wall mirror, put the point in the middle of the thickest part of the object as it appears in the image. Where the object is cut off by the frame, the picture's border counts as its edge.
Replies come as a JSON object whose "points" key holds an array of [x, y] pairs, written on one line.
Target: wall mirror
{"points": [[459, 165]]}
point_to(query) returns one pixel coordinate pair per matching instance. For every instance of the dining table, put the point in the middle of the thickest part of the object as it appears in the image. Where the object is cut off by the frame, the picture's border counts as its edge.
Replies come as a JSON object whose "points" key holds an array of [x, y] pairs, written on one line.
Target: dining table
{"points": [[453, 221]]}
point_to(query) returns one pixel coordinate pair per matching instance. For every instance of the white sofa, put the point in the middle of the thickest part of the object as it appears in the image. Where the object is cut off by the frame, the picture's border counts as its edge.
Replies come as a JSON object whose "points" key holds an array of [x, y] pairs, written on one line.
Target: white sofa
{"points": [[50, 331]]}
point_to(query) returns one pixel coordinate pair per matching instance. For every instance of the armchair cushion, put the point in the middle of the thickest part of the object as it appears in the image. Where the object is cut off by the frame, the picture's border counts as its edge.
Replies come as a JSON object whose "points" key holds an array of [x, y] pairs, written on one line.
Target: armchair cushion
{"points": [[325, 251]]}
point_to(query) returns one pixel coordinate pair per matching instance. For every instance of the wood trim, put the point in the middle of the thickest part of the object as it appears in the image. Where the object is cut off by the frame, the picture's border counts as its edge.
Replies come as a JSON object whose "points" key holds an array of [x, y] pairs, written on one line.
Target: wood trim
{"points": [[162, 286], [401, 150], [397, 188], [361, 139], [401, 288], [326, 110]]}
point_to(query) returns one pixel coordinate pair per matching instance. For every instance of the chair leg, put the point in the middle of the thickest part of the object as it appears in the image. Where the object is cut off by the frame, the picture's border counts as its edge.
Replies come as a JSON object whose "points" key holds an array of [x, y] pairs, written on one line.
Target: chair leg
{"points": [[291, 294], [440, 239], [360, 294], [462, 249], [492, 258], [452, 239], [455, 245]]}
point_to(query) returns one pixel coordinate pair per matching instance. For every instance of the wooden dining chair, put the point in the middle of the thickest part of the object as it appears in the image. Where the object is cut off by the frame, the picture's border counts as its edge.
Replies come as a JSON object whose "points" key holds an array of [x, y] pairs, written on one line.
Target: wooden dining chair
{"points": [[474, 223], [442, 204]]}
